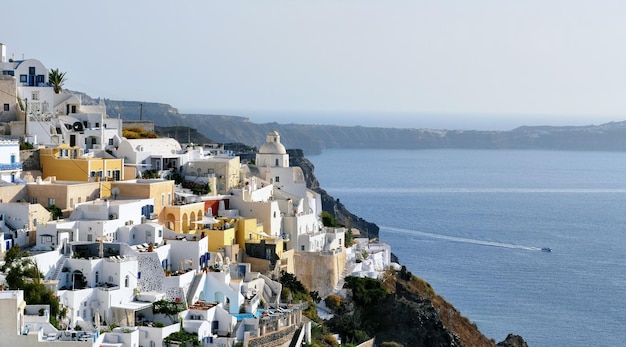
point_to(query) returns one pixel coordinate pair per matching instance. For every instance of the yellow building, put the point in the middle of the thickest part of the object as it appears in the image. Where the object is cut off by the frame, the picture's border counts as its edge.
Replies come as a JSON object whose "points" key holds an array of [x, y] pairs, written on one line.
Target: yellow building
{"points": [[65, 194], [162, 191], [181, 218], [70, 164], [225, 170], [220, 238], [262, 250]]}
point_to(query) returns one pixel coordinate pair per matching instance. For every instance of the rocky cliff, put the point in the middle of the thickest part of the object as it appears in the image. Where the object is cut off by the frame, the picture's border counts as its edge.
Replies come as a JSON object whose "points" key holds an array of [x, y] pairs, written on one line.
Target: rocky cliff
{"points": [[329, 204], [410, 314]]}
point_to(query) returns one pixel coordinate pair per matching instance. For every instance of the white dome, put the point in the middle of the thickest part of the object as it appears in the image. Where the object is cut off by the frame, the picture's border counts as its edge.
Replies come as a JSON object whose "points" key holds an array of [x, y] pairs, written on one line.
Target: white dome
{"points": [[272, 148], [272, 144]]}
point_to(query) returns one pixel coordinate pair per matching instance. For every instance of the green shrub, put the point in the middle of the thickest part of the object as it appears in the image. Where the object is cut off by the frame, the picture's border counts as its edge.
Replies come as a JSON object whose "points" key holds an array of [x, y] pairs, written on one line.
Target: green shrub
{"points": [[333, 302], [366, 290]]}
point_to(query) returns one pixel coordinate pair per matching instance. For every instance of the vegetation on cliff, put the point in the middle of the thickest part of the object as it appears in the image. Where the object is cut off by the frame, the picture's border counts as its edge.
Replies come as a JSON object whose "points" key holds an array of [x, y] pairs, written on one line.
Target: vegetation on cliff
{"points": [[138, 133], [22, 273]]}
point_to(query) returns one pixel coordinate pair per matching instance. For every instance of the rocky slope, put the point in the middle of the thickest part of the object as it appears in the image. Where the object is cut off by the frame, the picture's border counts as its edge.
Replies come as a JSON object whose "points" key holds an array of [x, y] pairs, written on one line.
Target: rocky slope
{"points": [[412, 314], [329, 204]]}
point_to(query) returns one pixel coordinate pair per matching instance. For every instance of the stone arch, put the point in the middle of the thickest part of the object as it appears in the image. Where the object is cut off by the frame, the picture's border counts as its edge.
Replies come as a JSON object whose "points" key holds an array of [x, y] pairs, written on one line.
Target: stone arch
{"points": [[79, 281], [170, 221], [185, 223], [192, 220]]}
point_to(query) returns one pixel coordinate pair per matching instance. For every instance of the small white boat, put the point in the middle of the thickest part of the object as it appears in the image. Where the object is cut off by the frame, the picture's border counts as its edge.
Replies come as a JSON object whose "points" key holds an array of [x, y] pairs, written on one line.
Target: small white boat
{"points": [[546, 249]]}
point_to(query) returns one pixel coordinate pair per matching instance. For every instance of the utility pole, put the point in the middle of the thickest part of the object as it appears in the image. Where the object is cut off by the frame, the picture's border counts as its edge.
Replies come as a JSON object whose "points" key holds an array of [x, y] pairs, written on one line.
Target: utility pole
{"points": [[25, 118]]}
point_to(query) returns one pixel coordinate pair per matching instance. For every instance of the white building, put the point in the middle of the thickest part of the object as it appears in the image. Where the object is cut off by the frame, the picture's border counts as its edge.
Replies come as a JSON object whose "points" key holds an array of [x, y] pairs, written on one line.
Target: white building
{"points": [[89, 131], [149, 154], [17, 222], [273, 163], [10, 165]]}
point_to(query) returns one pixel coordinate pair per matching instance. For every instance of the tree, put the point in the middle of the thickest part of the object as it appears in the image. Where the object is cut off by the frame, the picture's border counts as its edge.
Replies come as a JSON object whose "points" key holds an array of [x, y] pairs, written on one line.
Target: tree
{"points": [[57, 79], [328, 219], [22, 273], [55, 212]]}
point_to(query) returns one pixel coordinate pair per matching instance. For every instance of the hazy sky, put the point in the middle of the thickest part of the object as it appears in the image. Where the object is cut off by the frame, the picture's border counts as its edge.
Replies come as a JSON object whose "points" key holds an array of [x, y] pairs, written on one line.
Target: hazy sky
{"points": [[442, 64]]}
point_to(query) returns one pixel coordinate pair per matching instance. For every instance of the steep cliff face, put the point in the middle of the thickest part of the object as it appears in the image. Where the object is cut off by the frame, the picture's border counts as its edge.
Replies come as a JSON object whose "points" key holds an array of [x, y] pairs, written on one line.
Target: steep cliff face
{"points": [[329, 204], [412, 314]]}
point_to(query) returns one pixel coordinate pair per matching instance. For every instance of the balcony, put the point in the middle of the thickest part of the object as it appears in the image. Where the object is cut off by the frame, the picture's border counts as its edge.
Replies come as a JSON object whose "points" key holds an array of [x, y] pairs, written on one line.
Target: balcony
{"points": [[9, 167]]}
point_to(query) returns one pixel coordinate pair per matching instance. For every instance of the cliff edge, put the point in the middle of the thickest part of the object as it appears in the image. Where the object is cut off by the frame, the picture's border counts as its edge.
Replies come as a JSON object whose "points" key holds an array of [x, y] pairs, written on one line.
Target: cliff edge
{"points": [[329, 204]]}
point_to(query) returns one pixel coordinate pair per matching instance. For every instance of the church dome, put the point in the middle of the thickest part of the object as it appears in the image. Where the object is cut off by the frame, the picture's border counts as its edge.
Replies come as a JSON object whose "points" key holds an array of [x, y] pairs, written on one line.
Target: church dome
{"points": [[273, 145]]}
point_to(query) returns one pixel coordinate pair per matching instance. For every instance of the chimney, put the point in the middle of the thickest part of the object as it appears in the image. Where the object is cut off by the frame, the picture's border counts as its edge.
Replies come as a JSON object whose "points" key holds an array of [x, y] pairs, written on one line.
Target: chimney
{"points": [[3, 53]]}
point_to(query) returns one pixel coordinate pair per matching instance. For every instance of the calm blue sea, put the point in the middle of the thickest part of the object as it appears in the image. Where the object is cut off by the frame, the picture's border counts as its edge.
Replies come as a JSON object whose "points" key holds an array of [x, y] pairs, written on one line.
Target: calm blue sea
{"points": [[473, 222]]}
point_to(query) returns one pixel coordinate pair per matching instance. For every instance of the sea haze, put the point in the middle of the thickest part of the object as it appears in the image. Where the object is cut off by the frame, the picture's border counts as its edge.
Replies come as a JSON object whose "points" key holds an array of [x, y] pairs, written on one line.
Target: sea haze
{"points": [[473, 223]]}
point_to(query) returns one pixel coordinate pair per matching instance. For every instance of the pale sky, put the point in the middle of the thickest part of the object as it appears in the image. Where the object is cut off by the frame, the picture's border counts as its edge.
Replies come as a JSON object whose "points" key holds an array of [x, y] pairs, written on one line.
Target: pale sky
{"points": [[480, 64]]}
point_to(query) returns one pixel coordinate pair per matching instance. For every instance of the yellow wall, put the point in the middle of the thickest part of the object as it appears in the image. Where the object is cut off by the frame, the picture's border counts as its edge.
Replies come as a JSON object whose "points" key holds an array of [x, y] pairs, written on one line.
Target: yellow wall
{"points": [[220, 238], [68, 164], [65, 194], [162, 191], [179, 218], [245, 227], [227, 173]]}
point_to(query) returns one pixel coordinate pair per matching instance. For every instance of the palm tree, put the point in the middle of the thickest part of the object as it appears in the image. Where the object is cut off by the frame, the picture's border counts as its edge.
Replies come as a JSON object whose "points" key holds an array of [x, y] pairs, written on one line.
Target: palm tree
{"points": [[57, 79]]}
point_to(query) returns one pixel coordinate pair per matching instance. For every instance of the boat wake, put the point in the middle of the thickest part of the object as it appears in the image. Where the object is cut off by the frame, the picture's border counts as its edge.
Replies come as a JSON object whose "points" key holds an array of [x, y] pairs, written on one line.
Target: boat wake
{"points": [[461, 239]]}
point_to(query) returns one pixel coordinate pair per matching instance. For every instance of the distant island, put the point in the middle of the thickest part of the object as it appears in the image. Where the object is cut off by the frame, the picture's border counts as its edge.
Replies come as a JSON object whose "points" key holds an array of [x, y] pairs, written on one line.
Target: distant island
{"points": [[313, 139]]}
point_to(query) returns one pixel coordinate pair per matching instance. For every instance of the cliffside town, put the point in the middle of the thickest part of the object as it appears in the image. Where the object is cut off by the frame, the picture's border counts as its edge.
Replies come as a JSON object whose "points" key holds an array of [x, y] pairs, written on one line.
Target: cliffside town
{"points": [[129, 239]]}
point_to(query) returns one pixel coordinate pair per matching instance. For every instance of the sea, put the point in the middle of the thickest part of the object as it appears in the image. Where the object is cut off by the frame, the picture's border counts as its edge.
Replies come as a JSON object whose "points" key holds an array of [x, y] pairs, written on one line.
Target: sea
{"points": [[474, 223]]}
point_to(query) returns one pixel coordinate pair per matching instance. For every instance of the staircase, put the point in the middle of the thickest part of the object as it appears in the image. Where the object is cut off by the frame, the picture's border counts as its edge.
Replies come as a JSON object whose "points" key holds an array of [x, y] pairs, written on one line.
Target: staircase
{"points": [[59, 267], [193, 288], [346, 271]]}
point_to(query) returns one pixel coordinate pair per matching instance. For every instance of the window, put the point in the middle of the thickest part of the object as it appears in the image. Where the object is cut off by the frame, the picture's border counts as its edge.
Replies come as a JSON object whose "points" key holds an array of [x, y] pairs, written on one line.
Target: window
{"points": [[108, 173], [92, 174], [31, 70], [40, 79], [126, 282], [35, 95], [276, 162], [277, 179], [51, 201], [33, 200], [302, 248], [89, 237], [93, 141], [46, 238], [23, 78], [110, 142], [6, 107]]}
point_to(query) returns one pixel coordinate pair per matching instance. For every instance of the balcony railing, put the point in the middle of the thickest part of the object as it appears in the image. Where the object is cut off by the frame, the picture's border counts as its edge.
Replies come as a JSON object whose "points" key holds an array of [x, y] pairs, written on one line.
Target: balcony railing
{"points": [[13, 166]]}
